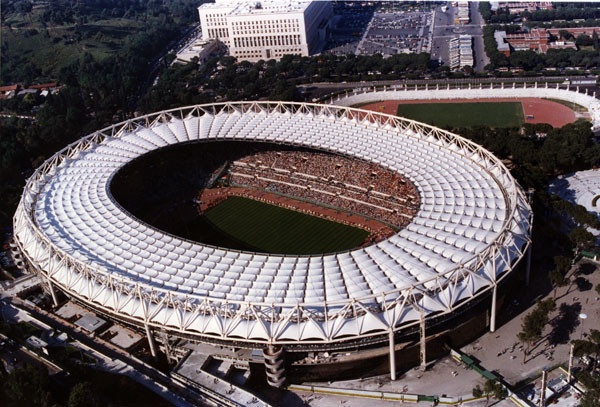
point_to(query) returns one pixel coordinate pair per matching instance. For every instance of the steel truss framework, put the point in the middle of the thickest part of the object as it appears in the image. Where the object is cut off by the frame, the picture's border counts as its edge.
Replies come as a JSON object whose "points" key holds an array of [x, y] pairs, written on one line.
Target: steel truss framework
{"points": [[327, 320]]}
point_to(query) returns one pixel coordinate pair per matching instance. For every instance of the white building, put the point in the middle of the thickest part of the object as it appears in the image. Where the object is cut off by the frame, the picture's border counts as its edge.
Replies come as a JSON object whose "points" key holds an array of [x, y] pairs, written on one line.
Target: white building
{"points": [[266, 30]]}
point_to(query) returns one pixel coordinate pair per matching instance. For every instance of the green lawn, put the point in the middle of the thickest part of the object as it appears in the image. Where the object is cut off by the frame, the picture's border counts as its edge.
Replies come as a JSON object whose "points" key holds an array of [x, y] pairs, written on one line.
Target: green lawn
{"points": [[272, 229], [468, 114], [50, 49]]}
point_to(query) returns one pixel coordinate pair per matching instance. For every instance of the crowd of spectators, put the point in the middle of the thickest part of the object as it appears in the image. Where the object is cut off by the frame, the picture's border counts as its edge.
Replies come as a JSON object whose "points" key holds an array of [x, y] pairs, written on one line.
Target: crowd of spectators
{"points": [[340, 182]]}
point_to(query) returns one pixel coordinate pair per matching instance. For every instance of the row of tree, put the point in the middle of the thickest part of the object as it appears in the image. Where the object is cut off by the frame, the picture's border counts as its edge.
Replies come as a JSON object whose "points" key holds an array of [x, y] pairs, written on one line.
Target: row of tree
{"points": [[227, 79], [562, 11], [31, 386], [61, 12]]}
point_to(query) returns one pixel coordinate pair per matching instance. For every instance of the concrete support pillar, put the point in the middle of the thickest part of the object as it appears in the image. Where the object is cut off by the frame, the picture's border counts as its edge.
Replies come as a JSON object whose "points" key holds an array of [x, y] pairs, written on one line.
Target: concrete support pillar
{"points": [[437, 86], [535, 85], [543, 389], [569, 375], [594, 94], [448, 87], [423, 343], [151, 342], [514, 85], [546, 85], [502, 85], [528, 267], [274, 365], [577, 89], [493, 311], [392, 356], [469, 85], [586, 91], [426, 86], [557, 86], [52, 293], [480, 85]]}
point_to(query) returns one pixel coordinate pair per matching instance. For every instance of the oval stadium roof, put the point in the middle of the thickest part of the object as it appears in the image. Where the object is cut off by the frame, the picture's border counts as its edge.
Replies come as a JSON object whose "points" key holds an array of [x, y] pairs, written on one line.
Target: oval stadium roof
{"points": [[473, 224]]}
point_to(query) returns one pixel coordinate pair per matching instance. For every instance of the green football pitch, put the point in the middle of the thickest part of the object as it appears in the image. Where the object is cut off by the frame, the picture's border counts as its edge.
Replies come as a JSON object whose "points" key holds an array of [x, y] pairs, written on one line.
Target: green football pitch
{"points": [[468, 114], [272, 229]]}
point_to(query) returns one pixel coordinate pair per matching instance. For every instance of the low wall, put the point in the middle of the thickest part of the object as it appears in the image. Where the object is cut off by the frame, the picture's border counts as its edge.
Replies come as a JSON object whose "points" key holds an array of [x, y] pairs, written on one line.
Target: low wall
{"points": [[439, 92]]}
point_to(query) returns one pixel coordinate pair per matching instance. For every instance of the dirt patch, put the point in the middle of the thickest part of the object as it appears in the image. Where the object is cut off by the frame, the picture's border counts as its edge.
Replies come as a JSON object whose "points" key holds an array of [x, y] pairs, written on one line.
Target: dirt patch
{"points": [[535, 110]]}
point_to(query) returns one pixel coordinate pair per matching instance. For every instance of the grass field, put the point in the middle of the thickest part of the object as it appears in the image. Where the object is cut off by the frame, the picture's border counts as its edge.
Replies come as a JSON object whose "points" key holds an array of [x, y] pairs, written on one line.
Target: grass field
{"points": [[272, 229], [52, 48], [493, 114]]}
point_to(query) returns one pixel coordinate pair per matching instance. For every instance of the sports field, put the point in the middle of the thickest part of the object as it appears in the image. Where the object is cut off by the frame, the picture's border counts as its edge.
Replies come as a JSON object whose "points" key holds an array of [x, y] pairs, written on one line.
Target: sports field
{"points": [[469, 114], [267, 228]]}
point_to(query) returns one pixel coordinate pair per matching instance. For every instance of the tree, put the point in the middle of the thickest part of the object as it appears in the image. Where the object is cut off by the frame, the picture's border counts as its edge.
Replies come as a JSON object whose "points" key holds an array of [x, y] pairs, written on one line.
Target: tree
{"points": [[84, 394], [581, 238], [28, 386], [562, 264], [533, 325], [590, 346], [558, 280], [492, 388]]}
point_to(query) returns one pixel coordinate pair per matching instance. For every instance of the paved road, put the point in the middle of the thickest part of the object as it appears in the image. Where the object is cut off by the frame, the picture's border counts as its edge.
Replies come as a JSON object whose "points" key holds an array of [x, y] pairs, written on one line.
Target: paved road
{"points": [[481, 59], [442, 33], [444, 29]]}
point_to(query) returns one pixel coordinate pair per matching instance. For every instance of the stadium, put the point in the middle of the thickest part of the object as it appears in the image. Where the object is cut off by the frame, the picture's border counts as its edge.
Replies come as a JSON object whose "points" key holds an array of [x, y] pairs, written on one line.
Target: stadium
{"points": [[439, 224]]}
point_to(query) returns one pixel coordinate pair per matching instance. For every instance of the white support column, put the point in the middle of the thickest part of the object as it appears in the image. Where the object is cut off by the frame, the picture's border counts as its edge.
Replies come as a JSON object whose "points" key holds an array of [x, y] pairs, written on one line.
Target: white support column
{"points": [[546, 85], [423, 343], [543, 389], [151, 342], [502, 85], [448, 87], [392, 356], [52, 293], [426, 86], [535, 85], [437, 86], [586, 91], [514, 85], [528, 267], [493, 311], [570, 363]]}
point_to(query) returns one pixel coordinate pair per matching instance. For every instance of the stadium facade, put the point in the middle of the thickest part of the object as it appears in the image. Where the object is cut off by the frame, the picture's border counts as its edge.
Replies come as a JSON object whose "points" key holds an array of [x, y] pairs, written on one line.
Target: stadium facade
{"points": [[471, 230]]}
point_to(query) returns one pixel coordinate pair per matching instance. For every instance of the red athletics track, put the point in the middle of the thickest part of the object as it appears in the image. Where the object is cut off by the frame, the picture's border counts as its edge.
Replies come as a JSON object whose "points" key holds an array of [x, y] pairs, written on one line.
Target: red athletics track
{"points": [[543, 111]]}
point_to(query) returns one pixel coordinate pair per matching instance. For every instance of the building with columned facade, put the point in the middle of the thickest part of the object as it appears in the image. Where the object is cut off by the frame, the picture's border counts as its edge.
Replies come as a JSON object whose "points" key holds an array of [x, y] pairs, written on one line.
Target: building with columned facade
{"points": [[266, 30]]}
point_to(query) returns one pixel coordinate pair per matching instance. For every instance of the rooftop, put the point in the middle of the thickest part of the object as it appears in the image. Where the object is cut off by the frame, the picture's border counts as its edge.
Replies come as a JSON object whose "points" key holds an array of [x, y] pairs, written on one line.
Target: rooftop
{"points": [[260, 7]]}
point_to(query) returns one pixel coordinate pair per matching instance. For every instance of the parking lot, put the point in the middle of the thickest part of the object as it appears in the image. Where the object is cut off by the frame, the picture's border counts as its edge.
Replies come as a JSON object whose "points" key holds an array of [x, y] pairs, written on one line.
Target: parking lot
{"points": [[398, 32], [388, 29]]}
